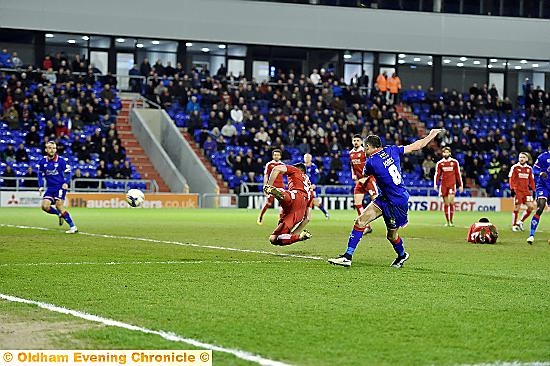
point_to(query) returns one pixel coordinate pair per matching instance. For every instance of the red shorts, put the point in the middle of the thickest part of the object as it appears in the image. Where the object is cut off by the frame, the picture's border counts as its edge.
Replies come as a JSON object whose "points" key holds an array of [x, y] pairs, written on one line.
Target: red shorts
{"points": [[369, 187], [445, 191], [522, 198], [294, 209]]}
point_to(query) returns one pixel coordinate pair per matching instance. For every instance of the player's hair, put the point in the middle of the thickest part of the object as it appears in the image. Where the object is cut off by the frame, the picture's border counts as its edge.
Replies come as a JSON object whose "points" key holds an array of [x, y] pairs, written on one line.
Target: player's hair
{"points": [[446, 148], [51, 143], [301, 166], [484, 219], [356, 136], [527, 155], [276, 150], [373, 141]]}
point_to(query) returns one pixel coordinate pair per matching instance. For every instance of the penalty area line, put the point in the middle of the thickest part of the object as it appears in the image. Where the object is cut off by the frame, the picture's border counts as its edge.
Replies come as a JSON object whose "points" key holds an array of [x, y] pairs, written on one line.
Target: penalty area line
{"points": [[163, 334], [157, 241]]}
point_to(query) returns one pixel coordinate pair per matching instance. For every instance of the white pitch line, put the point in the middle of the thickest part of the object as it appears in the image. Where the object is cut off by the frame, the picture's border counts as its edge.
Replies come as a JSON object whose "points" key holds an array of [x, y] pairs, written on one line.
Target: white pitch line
{"points": [[171, 242], [166, 335], [511, 363], [128, 263]]}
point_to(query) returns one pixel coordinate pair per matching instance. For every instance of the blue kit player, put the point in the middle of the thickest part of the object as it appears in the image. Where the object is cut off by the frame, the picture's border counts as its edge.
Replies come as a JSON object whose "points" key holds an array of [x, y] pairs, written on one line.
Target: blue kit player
{"points": [[384, 164], [541, 170], [57, 174], [313, 173]]}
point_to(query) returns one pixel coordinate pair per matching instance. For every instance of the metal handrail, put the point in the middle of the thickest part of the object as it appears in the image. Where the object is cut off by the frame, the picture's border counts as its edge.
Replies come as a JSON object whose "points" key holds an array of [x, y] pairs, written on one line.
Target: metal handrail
{"points": [[150, 184], [245, 189]]}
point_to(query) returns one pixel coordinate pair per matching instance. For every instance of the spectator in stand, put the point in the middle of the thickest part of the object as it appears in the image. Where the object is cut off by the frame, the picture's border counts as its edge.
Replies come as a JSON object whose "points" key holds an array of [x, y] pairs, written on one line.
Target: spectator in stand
{"points": [[229, 131], [8, 155], [222, 72], [61, 129], [145, 67], [192, 105], [126, 170], [32, 138], [31, 180], [394, 86], [9, 173], [21, 155], [11, 116], [315, 77], [116, 154], [210, 146], [135, 81], [382, 83], [16, 61], [428, 166]]}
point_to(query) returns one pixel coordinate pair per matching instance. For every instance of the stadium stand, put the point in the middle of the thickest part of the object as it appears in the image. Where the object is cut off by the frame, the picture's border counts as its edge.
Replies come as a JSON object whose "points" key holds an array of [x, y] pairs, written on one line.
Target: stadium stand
{"points": [[238, 122], [76, 110]]}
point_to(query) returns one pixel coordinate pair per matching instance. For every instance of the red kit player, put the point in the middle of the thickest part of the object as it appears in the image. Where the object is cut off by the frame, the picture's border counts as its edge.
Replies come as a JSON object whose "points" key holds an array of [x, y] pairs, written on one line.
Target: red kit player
{"points": [[294, 203], [363, 185], [522, 184], [447, 174], [482, 232], [276, 154]]}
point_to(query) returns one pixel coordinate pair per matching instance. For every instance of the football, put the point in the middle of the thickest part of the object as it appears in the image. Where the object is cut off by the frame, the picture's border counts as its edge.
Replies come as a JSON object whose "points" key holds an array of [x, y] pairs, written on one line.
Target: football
{"points": [[135, 197]]}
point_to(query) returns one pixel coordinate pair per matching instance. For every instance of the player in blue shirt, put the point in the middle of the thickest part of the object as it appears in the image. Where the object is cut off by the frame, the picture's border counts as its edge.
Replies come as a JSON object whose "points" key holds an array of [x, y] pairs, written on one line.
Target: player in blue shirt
{"points": [[541, 170], [313, 172], [57, 174], [384, 163]]}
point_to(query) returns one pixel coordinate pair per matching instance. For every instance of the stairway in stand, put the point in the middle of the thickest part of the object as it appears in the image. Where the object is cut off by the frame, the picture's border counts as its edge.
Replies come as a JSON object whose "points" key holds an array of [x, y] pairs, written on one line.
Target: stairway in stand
{"points": [[222, 185], [405, 112], [134, 152]]}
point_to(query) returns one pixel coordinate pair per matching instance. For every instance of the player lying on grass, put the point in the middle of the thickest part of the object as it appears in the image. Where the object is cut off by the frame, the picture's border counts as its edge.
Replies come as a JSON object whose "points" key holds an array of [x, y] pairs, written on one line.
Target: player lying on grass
{"points": [[384, 163], [294, 203], [482, 232]]}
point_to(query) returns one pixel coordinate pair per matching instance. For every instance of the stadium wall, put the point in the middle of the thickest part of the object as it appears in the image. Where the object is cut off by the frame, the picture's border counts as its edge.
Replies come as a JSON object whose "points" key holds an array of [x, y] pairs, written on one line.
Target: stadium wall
{"points": [[253, 22]]}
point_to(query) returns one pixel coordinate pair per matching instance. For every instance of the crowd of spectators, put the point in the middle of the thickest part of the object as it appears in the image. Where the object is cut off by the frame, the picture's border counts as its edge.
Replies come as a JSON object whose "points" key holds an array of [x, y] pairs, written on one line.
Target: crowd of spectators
{"points": [[316, 114], [67, 101], [319, 113]]}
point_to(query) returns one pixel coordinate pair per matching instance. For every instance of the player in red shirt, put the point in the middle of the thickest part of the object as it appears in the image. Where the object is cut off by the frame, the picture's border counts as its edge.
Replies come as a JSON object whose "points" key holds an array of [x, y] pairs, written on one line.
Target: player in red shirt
{"points": [[294, 203], [522, 184], [482, 232], [276, 154], [363, 185], [447, 174]]}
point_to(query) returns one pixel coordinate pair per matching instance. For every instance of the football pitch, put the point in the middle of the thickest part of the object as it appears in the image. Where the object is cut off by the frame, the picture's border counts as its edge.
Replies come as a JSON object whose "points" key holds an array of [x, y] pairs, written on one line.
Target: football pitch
{"points": [[174, 278]]}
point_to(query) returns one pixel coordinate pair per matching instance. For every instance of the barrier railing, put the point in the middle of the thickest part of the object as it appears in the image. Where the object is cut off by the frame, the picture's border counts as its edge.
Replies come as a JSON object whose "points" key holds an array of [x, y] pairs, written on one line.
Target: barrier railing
{"points": [[245, 188], [82, 184]]}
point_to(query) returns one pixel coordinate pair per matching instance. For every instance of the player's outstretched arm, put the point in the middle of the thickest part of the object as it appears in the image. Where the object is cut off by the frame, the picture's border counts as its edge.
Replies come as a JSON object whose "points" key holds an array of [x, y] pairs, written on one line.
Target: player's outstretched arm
{"points": [[275, 172], [419, 144]]}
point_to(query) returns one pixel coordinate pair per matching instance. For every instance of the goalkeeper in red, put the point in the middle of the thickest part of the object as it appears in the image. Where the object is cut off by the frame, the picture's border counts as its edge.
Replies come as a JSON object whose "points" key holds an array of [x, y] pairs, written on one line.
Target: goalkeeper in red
{"points": [[294, 203]]}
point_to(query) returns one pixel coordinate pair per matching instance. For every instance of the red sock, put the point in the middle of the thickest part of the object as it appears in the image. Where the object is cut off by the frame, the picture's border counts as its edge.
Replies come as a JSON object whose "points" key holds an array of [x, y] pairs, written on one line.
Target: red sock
{"points": [[267, 204], [359, 208], [446, 208], [287, 239], [514, 217], [526, 215], [451, 211]]}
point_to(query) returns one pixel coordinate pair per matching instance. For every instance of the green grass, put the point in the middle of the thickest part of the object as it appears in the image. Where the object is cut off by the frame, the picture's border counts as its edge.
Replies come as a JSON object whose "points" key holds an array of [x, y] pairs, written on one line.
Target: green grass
{"points": [[453, 303]]}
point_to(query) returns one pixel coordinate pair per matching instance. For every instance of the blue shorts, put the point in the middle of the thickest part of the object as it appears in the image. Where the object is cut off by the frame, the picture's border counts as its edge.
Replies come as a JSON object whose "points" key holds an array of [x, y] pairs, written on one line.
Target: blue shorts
{"points": [[395, 215], [541, 191], [55, 194]]}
